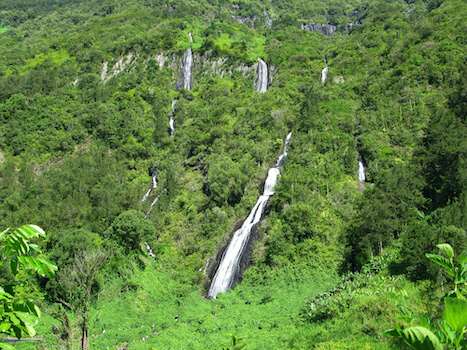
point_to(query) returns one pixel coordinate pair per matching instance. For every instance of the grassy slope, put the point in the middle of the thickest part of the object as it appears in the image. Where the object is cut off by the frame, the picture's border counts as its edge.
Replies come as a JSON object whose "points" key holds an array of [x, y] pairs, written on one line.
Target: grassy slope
{"points": [[381, 58]]}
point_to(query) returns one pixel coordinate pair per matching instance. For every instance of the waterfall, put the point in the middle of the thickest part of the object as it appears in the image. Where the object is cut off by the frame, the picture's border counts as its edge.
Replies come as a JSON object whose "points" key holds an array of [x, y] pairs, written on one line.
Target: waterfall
{"points": [[154, 179], [149, 250], [261, 78], [146, 195], [228, 267], [185, 76], [154, 202], [171, 120], [324, 74], [191, 37], [361, 169], [153, 187]]}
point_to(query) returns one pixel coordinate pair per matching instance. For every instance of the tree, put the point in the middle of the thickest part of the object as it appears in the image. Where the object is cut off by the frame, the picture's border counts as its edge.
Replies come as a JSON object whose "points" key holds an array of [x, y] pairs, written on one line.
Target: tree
{"points": [[129, 228], [18, 317], [77, 282]]}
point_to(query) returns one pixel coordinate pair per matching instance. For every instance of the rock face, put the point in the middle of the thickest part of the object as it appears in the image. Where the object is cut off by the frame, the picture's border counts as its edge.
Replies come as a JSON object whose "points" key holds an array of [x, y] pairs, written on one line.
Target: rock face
{"points": [[245, 20], [325, 29], [124, 63], [269, 19], [186, 70]]}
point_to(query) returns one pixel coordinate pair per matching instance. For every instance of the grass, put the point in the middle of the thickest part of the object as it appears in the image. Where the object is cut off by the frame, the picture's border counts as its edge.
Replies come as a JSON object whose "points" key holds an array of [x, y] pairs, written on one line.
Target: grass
{"points": [[55, 57]]}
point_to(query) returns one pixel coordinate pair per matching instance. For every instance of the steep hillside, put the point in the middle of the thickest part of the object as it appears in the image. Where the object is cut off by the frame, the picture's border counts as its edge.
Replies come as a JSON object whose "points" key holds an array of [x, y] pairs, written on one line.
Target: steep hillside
{"points": [[137, 127]]}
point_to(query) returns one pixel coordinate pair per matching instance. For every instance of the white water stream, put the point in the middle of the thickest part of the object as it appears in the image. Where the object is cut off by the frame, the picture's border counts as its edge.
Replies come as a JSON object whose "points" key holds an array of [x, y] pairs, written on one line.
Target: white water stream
{"points": [[324, 74], [361, 170], [261, 79], [228, 267], [171, 120], [153, 187], [186, 69], [154, 202]]}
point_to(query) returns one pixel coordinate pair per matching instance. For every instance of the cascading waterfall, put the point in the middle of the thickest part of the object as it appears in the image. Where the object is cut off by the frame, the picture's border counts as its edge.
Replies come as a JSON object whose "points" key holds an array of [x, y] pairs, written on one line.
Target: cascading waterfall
{"points": [[149, 250], [191, 37], [261, 78], [153, 187], [154, 202], [361, 170], [171, 120], [324, 74], [185, 76], [228, 267]]}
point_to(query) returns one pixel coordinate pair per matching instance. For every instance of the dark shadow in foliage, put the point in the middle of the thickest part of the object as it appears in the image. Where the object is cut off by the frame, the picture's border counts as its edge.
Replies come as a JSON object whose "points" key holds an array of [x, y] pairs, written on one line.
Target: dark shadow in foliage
{"points": [[385, 212], [445, 158], [422, 236]]}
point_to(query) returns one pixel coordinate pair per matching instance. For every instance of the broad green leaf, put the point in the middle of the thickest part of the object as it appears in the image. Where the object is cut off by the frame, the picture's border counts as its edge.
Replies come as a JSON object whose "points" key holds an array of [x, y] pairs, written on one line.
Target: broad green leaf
{"points": [[447, 330], [455, 313], [13, 318], [420, 338], [35, 228], [37, 310], [14, 266], [441, 260], [462, 258], [446, 247], [32, 263], [27, 318], [6, 346], [461, 276], [392, 333], [5, 326], [17, 330], [407, 312], [30, 329], [23, 261], [35, 247], [23, 233]]}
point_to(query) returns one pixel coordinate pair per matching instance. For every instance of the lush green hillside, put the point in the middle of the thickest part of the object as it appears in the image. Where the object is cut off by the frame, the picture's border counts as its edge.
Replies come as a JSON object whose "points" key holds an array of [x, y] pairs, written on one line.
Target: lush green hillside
{"points": [[85, 100]]}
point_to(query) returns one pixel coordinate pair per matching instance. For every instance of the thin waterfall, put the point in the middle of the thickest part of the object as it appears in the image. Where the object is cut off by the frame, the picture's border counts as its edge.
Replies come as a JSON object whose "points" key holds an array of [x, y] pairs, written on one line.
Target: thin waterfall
{"points": [[186, 69], [171, 120], [361, 170], [261, 78], [149, 250], [228, 267], [324, 74], [153, 186], [191, 37], [154, 202]]}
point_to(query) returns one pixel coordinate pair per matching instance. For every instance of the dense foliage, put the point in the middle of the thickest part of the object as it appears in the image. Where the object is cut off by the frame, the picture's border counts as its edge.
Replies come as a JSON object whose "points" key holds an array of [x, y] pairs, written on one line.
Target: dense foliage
{"points": [[85, 100]]}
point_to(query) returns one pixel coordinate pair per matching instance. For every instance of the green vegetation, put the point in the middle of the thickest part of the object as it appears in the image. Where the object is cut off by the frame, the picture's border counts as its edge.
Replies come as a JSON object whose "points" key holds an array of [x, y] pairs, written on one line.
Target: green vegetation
{"points": [[85, 103], [20, 315], [452, 328]]}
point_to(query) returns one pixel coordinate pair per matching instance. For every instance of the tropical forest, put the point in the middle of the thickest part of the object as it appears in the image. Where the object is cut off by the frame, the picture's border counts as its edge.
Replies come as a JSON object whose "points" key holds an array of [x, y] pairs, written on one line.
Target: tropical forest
{"points": [[233, 174]]}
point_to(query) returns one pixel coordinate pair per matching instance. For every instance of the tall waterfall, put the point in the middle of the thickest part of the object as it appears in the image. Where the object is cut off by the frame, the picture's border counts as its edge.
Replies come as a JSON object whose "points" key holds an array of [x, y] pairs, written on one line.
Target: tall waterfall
{"points": [[261, 78], [171, 120], [228, 267], [191, 37], [361, 169], [186, 69], [324, 74]]}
